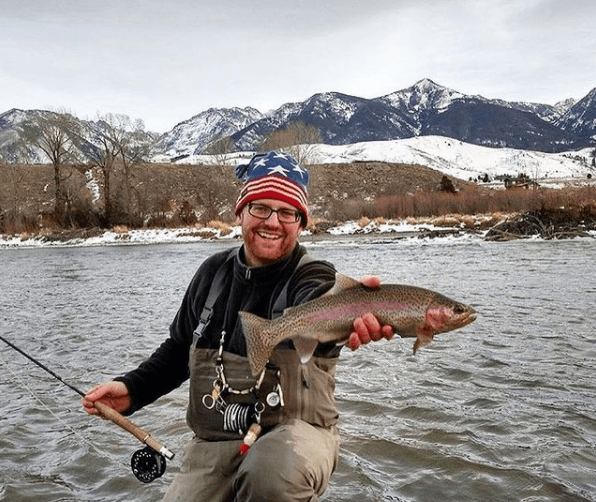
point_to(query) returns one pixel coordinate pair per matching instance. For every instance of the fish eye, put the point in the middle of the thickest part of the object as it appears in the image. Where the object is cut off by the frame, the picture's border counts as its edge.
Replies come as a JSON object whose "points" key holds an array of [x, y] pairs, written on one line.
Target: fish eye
{"points": [[459, 309]]}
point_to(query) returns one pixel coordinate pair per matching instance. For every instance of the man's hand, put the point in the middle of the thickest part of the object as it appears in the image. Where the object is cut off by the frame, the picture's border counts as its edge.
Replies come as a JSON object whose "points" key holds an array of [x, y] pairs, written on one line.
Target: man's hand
{"points": [[113, 394], [368, 328]]}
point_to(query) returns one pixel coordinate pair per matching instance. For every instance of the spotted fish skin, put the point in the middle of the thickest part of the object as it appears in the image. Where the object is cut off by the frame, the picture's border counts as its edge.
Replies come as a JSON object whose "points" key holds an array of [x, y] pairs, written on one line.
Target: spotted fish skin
{"points": [[411, 311]]}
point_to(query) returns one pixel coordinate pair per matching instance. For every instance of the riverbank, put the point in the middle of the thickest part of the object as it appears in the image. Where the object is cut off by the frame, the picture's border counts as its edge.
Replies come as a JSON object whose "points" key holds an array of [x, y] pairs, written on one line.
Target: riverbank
{"points": [[546, 224]]}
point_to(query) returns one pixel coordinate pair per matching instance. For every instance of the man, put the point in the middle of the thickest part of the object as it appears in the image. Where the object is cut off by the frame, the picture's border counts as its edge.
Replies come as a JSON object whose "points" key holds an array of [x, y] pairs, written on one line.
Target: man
{"points": [[290, 407]]}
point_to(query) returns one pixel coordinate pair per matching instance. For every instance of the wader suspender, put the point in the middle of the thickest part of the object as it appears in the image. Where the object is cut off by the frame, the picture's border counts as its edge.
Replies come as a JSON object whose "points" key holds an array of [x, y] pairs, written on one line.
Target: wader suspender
{"points": [[217, 287], [214, 292]]}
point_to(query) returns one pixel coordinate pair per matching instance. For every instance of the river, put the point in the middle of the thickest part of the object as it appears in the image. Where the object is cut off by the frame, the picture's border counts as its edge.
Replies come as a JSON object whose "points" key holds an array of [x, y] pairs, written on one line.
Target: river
{"points": [[502, 410]]}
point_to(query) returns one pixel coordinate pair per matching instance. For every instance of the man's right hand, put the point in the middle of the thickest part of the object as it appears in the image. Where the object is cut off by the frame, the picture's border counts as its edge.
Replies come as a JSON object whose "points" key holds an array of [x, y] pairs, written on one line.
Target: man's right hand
{"points": [[113, 394]]}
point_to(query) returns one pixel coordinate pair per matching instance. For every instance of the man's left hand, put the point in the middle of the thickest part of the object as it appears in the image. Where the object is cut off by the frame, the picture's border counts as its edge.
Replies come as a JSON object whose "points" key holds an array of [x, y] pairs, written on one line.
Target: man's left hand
{"points": [[368, 328]]}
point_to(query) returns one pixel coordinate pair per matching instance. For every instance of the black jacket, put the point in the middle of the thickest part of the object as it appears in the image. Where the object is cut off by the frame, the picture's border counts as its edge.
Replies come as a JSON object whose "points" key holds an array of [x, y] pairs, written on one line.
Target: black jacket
{"points": [[250, 289]]}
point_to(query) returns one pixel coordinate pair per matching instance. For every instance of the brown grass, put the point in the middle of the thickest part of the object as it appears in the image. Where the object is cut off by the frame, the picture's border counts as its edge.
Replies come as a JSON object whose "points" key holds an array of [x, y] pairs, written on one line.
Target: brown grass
{"points": [[199, 196]]}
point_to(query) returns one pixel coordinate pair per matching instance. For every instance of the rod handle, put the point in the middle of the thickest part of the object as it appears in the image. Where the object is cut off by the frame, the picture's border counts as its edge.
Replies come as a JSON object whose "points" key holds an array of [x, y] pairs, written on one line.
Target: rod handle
{"points": [[124, 423]]}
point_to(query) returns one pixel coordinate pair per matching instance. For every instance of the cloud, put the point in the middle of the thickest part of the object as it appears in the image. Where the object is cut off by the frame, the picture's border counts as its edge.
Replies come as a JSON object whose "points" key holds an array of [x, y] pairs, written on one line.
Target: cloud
{"points": [[167, 61]]}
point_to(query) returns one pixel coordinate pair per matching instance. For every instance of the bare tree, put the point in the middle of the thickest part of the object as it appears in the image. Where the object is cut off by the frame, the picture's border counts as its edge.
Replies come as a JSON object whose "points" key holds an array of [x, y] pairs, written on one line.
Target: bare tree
{"points": [[103, 154], [219, 149], [119, 144], [135, 148], [55, 134], [297, 139]]}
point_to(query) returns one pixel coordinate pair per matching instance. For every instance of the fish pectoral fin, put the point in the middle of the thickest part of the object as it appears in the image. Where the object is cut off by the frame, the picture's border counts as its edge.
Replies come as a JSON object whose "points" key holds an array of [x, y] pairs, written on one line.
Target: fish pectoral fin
{"points": [[423, 337], [305, 346]]}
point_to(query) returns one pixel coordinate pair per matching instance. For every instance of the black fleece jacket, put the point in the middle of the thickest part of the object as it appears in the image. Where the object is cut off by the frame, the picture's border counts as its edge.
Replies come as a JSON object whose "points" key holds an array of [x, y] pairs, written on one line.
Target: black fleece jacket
{"points": [[253, 289]]}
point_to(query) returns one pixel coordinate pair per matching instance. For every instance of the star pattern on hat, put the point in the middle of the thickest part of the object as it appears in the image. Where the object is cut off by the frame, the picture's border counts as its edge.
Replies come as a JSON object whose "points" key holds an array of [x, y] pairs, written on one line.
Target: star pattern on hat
{"points": [[278, 163], [300, 170], [279, 169], [274, 175]]}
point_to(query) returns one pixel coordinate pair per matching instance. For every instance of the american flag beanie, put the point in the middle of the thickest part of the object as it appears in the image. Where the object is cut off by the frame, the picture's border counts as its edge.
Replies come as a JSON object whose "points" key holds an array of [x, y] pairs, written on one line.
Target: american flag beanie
{"points": [[274, 175]]}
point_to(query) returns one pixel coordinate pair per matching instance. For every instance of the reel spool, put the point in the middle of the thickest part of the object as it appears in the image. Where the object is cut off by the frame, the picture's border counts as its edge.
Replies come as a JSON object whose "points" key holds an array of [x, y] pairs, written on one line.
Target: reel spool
{"points": [[147, 464]]}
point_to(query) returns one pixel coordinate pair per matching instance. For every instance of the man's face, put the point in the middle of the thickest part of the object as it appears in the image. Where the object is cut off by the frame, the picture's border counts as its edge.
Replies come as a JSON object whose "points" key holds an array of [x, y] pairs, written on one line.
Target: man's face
{"points": [[266, 241]]}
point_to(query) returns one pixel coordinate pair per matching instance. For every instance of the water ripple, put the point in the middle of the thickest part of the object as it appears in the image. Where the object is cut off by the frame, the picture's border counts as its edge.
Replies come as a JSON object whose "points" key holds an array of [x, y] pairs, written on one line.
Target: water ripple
{"points": [[502, 410]]}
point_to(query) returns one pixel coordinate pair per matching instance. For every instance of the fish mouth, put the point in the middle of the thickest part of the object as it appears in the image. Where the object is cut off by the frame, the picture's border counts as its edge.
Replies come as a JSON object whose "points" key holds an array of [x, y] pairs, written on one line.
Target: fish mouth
{"points": [[469, 317]]}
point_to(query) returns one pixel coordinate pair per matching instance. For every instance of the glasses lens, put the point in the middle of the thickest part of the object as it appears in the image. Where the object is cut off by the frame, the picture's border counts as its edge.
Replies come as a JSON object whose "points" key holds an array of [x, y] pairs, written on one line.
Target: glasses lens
{"points": [[263, 212], [287, 215], [259, 211]]}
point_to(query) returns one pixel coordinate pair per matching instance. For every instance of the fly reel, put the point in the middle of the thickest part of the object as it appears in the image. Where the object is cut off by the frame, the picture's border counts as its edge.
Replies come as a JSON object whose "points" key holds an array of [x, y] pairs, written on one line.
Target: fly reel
{"points": [[147, 464]]}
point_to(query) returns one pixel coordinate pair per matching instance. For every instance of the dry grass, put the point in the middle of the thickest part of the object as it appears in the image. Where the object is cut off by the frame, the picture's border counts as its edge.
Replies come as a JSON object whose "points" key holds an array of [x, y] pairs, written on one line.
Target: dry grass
{"points": [[202, 197]]}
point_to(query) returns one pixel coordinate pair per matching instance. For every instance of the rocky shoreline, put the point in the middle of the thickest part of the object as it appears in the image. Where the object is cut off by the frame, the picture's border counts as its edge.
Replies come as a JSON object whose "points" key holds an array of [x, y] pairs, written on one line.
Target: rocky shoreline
{"points": [[561, 223], [544, 224]]}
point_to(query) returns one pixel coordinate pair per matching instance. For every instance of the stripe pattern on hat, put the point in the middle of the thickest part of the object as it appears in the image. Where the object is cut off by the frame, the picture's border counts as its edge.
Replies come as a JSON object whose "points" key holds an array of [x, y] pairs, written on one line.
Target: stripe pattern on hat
{"points": [[274, 175]]}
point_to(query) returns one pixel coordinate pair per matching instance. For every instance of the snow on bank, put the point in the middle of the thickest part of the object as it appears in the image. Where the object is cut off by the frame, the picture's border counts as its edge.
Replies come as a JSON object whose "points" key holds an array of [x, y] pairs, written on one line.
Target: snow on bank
{"points": [[110, 238], [348, 232], [188, 235]]}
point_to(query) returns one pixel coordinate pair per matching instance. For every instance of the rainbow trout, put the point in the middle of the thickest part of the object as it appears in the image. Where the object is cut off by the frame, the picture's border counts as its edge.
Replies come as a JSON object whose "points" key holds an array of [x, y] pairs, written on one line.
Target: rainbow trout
{"points": [[412, 311]]}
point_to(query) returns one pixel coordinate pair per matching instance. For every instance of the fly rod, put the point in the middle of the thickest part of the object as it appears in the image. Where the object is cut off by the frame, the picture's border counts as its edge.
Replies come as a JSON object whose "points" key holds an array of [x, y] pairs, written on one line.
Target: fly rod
{"points": [[147, 464]]}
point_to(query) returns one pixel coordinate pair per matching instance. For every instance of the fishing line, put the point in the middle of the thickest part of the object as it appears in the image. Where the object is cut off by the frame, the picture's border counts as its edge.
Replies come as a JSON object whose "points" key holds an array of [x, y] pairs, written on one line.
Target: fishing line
{"points": [[56, 416], [148, 463], [42, 366]]}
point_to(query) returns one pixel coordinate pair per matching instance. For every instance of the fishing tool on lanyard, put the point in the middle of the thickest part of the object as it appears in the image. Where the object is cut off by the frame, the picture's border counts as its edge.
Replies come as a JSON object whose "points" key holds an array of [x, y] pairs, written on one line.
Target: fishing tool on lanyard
{"points": [[239, 417], [148, 463]]}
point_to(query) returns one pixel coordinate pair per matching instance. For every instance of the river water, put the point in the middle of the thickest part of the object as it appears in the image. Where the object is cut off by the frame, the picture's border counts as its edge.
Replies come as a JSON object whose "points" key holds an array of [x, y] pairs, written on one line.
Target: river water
{"points": [[502, 410]]}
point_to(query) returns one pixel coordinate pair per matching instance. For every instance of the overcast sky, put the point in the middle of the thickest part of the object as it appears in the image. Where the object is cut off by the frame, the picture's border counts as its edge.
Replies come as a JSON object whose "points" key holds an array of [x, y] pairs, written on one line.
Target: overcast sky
{"points": [[165, 61]]}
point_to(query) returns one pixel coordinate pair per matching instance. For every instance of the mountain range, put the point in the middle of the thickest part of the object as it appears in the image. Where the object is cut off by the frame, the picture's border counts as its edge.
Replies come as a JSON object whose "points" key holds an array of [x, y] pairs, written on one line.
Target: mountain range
{"points": [[424, 109]]}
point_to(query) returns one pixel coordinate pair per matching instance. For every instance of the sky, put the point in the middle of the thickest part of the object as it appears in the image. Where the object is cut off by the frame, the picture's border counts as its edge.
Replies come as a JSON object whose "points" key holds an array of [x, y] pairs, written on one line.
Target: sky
{"points": [[164, 61]]}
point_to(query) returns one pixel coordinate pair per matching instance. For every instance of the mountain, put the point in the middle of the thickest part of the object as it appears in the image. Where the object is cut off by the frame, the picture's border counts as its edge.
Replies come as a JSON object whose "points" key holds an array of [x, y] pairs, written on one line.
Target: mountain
{"points": [[86, 137], [424, 109], [580, 119], [341, 119], [12, 130], [479, 122], [193, 136]]}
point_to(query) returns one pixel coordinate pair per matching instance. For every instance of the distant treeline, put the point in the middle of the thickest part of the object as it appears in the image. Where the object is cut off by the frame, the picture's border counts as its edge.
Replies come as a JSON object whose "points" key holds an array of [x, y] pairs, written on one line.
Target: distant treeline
{"points": [[167, 195]]}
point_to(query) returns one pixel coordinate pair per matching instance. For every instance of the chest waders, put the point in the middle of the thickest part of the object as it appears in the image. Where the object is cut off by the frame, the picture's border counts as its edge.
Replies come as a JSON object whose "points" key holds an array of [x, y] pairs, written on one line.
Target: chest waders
{"points": [[227, 403]]}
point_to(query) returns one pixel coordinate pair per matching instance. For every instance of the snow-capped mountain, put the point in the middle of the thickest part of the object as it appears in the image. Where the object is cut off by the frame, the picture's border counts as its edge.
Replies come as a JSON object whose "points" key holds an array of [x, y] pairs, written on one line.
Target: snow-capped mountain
{"points": [[580, 119], [85, 137], [424, 109], [194, 135], [341, 119]]}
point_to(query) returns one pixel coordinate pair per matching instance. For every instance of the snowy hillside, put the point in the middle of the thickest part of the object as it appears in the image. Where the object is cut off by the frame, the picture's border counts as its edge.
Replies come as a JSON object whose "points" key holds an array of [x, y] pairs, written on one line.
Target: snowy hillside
{"points": [[452, 157]]}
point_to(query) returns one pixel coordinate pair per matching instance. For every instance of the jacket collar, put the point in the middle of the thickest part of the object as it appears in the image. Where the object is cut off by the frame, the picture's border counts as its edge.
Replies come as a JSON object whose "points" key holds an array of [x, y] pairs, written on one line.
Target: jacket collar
{"points": [[267, 273]]}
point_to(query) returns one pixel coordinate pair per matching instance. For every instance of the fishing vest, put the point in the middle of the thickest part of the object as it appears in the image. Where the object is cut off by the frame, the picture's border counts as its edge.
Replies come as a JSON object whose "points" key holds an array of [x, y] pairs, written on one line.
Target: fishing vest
{"points": [[305, 391]]}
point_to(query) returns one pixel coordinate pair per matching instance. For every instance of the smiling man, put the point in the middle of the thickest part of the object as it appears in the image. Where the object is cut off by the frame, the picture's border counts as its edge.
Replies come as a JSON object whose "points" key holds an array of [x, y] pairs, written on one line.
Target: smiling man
{"points": [[273, 438], [272, 206]]}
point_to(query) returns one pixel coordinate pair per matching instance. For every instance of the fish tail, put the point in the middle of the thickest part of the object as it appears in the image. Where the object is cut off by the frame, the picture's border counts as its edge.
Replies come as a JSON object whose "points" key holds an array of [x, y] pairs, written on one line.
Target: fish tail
{"points": [[257, 346]]}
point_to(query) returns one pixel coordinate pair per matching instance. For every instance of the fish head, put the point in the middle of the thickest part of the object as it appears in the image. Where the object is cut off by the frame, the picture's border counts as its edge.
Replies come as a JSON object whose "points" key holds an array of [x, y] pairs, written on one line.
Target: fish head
{"points": [[444, 315]]}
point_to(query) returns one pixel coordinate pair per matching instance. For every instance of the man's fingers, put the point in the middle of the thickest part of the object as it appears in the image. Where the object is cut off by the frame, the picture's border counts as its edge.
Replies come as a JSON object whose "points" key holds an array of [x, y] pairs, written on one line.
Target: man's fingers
{"points": [[361, 330], [373, 327], [387, 332], [354, 341], [371, 281]]}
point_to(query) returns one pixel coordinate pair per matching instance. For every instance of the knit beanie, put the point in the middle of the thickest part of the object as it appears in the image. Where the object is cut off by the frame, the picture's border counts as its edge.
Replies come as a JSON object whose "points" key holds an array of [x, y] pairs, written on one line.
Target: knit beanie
{"points": [[274, 175]]}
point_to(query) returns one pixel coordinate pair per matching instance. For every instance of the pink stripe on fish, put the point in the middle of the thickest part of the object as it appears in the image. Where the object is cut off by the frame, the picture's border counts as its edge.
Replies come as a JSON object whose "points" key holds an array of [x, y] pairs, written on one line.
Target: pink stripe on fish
{"points": [[357, 309]]}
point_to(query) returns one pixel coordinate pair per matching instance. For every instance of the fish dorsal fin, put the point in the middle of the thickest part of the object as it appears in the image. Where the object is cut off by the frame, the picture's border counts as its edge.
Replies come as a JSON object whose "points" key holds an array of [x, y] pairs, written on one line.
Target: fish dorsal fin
{"points": [[342, 282]]}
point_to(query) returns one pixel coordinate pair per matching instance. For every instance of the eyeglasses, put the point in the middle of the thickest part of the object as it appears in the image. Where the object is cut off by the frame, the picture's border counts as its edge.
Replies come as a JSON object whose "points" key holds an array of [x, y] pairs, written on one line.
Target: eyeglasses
{"points": [[263, 212]]}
